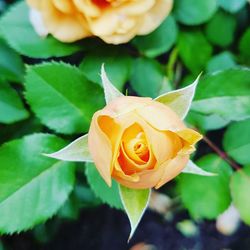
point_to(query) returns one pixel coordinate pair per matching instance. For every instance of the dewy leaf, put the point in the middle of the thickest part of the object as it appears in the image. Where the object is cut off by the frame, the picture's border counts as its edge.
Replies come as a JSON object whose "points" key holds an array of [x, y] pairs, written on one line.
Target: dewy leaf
{"points": [[225, 93], [61, 96], [108, 195], [236, 141], [11, 106], [192, 168], [33, 187], [21, 36], [240, 185], [180, 100], [75, 151], [203, 196], [110, 91], [135, 202]]}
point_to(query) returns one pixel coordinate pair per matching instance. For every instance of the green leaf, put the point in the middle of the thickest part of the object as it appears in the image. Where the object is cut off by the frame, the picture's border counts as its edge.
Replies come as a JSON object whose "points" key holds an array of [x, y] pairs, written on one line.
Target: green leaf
{"points": [[244, 44], [206, 196], [21, 36], [11, 106], [225, 93], [179, 100], [75, 151], [159, 41], [135, 202], [108, 195], [33, 187], [240, 185], [11, 65], [224, 60], [117, 64], [192, 168], [147, 77], [236, 141], [188, 42], [110, 92], [193, 12], [221, 35], [206, 122], [232, 6], [61, 96]]}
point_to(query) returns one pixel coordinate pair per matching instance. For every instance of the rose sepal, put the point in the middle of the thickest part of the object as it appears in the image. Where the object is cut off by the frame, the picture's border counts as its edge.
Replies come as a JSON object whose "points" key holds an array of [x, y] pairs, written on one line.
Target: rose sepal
{"points": [[192, 168], [135, 203]]}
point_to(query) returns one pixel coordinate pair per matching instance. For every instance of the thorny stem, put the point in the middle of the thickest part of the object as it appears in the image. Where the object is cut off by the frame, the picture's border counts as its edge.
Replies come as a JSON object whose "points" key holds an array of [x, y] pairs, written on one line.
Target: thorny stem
{"points": [[221, 153]]}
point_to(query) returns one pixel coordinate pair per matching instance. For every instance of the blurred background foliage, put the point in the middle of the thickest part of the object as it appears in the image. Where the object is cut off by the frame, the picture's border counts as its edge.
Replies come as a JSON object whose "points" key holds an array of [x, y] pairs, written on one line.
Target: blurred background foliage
{"points": [[49, 91]]}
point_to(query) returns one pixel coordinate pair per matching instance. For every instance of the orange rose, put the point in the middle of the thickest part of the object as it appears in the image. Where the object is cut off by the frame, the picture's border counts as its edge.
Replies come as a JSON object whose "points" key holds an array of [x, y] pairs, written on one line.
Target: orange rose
{"points": [[114, 21], [139, 142]]}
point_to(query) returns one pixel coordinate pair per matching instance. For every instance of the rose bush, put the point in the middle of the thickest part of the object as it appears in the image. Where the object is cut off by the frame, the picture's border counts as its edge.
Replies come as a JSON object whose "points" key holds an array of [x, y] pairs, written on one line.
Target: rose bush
{"points": [[114, 21], [141, 143]]}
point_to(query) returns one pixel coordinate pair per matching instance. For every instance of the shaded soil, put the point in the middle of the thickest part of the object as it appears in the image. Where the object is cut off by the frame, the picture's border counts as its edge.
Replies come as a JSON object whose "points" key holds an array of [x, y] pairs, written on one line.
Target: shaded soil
{"points": [[107, 229]]}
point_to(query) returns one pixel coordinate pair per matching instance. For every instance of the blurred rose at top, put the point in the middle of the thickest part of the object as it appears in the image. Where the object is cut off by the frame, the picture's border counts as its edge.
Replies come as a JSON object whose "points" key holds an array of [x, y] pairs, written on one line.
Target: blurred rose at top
{"points": [[114, 21]]}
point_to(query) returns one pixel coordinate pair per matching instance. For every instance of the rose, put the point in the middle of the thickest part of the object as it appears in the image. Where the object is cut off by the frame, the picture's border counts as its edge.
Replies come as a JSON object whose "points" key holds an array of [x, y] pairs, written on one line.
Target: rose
{"points": [[139, 142], [114, 21]]}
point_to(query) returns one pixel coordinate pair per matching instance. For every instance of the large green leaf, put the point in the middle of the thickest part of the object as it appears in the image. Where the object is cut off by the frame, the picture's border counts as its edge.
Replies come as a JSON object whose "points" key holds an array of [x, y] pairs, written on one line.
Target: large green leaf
{"points": [[240, 185], [160, 40], [225, 93], [147, 77], [108, 195], [193, 12], [11, 106], [117, 64], [221, 35], [236, 141], [62, 97], [224, 60], [189, 42], [206, 196], [11, 65], [232, 5], [135, 202], [17, 30], [33, 187]]}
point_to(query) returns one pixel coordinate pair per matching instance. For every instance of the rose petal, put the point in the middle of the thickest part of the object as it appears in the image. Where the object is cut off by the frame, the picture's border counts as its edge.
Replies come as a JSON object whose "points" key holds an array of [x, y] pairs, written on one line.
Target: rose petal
{"points": [[161, 117], [65, 6], [66, 28], [153, 18], [100, 146], [172, 169], [36, 4]]}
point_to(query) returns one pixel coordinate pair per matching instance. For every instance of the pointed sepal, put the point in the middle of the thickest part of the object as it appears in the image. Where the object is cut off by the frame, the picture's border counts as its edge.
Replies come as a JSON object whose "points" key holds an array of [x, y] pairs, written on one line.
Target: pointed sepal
{"points": [[75, 151], [110, 91], [180, 100], [192, 168], [135, 202]]}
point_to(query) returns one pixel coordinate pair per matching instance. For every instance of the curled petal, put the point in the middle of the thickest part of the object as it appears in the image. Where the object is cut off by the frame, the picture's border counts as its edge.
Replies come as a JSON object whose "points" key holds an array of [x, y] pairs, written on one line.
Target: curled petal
{"points": [[172, 169], [66, 28], [100, 148]]}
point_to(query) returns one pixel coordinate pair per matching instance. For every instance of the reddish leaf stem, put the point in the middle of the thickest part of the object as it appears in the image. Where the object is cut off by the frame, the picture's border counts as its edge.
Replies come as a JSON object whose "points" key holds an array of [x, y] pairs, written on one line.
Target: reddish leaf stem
{"points": [[221, 153]]}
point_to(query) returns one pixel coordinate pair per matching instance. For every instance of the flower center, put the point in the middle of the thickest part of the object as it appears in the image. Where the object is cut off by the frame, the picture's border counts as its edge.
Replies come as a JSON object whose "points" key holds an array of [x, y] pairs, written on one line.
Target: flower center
{"points": [[137, 148], [101, 3]]}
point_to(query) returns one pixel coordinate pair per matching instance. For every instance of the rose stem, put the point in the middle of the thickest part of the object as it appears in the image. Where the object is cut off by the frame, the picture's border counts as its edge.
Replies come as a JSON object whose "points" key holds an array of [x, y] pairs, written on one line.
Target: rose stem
{"points": [[221, 153]]}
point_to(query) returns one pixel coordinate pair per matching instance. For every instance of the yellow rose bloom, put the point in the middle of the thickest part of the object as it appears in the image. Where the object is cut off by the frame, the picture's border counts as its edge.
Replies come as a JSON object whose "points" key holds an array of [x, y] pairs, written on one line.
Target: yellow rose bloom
{"points": [[139, 142], [114, 21]]}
